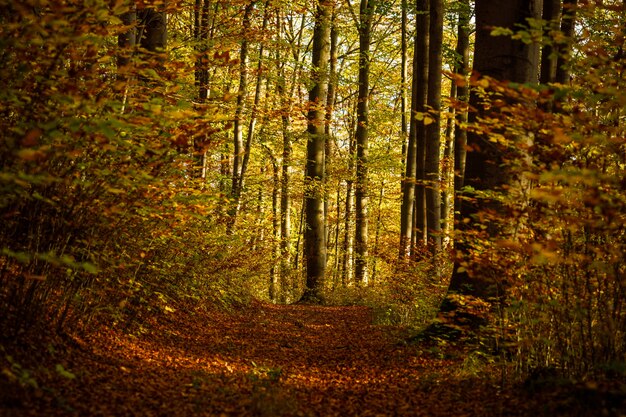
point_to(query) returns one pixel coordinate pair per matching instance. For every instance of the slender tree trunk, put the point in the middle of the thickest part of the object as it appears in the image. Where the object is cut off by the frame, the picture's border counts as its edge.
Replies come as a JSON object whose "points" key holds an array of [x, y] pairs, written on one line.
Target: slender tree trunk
{"points": [[255, 106], [408, 182], [348, 241], [447, 170], [202, 34], [286, 108], [274, 285], [421, 65], [568, 22], [362, 132], [413, 213], [330, 105], [462, 94], [238, 150], [433, 130], [404, 75], [337, 228], [127, 40], [381, 195], [551, 14], [315, 234]]}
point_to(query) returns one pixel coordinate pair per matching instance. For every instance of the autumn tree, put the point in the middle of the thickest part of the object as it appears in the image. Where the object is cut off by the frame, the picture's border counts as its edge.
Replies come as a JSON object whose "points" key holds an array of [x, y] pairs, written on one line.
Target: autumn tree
{"points": [[367, 9], [432, 171], [239, 151], [501, 58], [413, 212], [315, 232]]}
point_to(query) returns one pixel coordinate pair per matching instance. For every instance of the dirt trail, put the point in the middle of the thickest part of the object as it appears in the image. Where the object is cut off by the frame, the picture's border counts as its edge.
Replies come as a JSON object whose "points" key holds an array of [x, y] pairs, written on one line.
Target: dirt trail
{"points": [[269, 361]]}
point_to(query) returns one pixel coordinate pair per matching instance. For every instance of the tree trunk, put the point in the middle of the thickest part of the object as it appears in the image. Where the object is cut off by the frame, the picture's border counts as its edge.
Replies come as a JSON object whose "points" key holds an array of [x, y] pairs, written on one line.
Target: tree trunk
{"points": [[127, 40], [462, 94], [330, 105], [274, 285], [447, 170], [568, 22], [315, 233], [502, 58], [421, 73], [238, 150], [255, 106], [409, 148], [404, 132], [551, 14], [348, 241], [362, 130], [433, 130], [412, 189], [286, 108], [152, 29]]}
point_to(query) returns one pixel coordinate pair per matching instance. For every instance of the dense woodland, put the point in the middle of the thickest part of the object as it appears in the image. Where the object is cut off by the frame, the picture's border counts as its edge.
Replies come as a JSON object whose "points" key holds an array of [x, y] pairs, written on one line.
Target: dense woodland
{"points": [[445, 174]]}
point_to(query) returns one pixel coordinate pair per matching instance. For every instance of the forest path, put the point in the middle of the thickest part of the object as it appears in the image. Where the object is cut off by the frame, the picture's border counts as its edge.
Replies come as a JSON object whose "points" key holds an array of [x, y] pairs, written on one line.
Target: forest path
{"points": [[268, 360]]}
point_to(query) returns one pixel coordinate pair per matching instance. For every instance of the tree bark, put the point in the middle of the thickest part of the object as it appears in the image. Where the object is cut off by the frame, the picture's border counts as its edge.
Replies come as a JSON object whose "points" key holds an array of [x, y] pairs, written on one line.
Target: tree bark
{"points": [[432, 170], [404, 75], [568, 21], [315, 233], [408, 182], [462, 94], [330, 106], [421, 73], [367, 8], [551, 14]]}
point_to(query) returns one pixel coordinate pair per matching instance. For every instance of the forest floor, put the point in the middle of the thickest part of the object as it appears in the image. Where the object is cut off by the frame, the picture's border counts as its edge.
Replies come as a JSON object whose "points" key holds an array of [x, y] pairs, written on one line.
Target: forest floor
{"points": [[270, 360]]}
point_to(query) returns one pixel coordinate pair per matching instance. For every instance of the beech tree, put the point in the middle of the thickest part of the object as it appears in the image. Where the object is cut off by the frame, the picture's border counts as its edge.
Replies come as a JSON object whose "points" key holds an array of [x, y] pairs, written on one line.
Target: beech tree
{"points": [[315, 232], [502, 58], [432, 170], [367, 9], [413, 212]]}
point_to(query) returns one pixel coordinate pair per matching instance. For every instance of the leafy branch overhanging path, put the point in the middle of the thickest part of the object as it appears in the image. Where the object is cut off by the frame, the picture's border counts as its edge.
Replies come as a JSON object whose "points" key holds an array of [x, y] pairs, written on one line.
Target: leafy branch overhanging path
{"points": [[272, 360]]}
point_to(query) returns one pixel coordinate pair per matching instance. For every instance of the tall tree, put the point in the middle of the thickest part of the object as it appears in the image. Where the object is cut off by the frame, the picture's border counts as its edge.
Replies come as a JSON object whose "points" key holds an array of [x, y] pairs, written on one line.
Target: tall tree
{"points": [[315, 232], [367, 8], [502, 58], [410, 226], [404, 75], [255, 105], [433, 131], [462, 93], [420, 118], [294, 36], [239, 150]]}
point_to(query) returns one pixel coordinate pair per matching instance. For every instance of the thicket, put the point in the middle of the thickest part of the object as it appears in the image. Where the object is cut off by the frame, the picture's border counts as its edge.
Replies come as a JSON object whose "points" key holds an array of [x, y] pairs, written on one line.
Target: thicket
{"points": [[103, 213], [559, 256]]}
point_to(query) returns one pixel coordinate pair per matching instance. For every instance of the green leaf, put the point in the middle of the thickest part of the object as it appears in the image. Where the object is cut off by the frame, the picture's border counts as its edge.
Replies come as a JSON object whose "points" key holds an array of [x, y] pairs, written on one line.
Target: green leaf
{"points": [[64, 372]]}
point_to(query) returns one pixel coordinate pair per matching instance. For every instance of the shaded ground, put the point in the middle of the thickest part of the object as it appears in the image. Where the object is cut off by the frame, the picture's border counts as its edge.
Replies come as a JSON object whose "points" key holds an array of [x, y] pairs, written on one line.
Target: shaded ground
{"points": [[273, 361]]}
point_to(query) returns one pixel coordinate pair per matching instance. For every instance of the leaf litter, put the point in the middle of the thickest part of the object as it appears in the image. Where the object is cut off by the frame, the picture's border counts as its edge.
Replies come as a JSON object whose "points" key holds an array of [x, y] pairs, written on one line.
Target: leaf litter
{"points": [[267, 360]]}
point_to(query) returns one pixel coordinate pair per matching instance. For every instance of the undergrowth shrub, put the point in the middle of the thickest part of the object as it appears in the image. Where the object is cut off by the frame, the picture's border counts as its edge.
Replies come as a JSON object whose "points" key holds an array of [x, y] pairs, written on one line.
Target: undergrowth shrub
{"points": [[103, 212], [404, 293], [560, 256]]}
